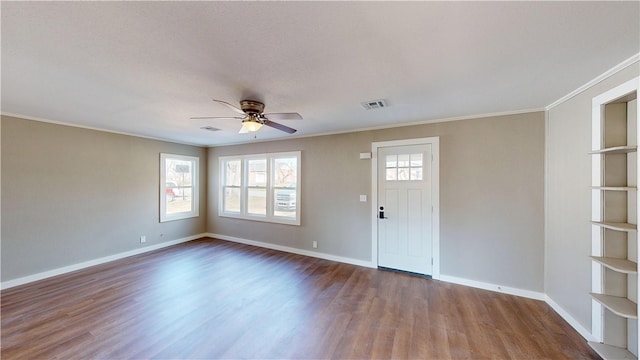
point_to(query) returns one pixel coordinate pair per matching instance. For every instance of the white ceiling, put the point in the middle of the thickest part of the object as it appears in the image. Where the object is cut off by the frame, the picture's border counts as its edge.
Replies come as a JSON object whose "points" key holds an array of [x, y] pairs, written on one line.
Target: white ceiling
{"points": [[144, 68]]}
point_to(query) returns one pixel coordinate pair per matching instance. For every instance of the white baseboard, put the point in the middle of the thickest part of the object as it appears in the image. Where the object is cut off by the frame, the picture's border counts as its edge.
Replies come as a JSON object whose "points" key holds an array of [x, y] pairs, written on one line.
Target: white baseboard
{"points": [[493, 287], [568, 318], [292, 250], [446, 278], [63, 270], [524, 293]]}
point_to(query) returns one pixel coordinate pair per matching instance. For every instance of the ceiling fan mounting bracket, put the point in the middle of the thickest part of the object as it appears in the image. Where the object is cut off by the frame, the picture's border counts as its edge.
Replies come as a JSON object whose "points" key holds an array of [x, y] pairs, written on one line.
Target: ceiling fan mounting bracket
{"points": [[252, 107]]}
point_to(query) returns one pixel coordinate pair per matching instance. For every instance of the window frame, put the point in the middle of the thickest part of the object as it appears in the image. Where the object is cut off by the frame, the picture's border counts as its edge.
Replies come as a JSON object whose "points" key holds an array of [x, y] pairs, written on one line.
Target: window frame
{"points": [[270, 188], [195, 187]]}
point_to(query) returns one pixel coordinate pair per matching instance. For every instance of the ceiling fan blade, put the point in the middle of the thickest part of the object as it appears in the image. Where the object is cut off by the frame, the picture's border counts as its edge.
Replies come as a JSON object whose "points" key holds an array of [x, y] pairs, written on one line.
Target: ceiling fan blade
{"points": [[280, 127], [230, 106], [216, 117], [283, 116], [243, 130]]}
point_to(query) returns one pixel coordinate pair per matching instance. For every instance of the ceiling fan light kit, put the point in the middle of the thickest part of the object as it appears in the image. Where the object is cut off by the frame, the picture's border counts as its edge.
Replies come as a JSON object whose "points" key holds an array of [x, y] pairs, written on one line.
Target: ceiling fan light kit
{"points": [[251, 124], [254, 116]]}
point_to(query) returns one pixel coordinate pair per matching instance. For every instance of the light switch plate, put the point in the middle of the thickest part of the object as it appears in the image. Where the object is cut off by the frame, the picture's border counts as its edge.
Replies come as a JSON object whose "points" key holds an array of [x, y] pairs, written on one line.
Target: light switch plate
{"points": [[363, 198]]}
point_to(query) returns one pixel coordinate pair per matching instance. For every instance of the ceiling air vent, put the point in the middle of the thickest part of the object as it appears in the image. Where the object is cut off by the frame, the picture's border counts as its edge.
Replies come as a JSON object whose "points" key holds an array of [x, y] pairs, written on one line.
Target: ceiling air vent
{"points": [[210, 128], [374, 104]]}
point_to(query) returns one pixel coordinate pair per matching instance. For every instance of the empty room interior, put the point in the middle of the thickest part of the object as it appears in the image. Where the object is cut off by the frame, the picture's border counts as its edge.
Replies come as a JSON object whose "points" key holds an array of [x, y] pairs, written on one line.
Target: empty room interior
{"points": [[309, 180]]}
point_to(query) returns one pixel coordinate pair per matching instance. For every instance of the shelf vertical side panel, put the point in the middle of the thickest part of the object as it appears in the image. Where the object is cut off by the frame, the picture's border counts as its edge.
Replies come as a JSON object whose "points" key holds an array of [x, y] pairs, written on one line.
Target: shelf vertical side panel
{"points": [[597, 247], [633, 122]]}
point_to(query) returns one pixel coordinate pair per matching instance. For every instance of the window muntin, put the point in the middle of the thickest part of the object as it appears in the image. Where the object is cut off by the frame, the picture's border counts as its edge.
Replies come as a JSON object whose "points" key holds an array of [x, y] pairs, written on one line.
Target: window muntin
{"points": [[404, 167], [261, 187], [178, 187], [231, 187]]}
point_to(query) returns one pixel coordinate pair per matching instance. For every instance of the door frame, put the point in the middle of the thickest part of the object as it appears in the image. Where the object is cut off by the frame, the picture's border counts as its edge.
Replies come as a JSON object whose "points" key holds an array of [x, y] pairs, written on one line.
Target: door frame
{"points": [[435, 196]]}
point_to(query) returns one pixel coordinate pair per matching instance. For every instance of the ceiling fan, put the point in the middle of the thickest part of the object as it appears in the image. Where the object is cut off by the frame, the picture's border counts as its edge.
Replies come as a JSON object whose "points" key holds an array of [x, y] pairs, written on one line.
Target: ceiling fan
{"points": [[253, 116]]}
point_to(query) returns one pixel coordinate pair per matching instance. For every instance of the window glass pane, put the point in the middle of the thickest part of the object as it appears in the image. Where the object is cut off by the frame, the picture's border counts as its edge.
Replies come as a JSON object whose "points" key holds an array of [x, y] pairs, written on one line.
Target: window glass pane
{"points": [[257, 172], [179, 183], [403, 160], [285, 172], [416, 160], [257, 202], [392, 161], [232, 199], [179, 192], [403, 173], [179, 200], [392, 174], [416, 173], [265, 187], [233, 173], [285, 203]]}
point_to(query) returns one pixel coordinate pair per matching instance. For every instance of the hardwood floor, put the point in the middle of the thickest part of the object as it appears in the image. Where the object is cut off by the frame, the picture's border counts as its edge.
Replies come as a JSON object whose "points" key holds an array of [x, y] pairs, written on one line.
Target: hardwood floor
{"points": [[212, 299]]}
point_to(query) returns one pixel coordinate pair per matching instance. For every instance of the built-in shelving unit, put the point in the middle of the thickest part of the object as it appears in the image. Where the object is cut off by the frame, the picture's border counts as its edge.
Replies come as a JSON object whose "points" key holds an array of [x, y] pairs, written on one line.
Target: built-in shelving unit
{"points": [[619, 265], [616, 150], [615, 188], [616, 225], [614, 219], [620, 306]]}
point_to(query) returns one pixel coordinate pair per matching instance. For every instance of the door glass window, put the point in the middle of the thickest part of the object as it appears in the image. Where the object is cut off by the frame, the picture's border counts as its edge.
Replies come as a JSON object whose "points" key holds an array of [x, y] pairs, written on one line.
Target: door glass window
{"points": [[404, 167]]}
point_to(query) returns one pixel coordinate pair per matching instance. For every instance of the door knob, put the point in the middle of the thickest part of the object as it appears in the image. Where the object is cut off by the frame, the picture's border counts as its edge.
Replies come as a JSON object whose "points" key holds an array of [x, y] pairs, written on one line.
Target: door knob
{"points": [[381, 213]]}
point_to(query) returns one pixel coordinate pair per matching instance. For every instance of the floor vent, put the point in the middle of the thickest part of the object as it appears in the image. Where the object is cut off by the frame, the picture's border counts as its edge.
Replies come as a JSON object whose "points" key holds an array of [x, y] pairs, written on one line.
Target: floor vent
{"points": [[374, 104]]}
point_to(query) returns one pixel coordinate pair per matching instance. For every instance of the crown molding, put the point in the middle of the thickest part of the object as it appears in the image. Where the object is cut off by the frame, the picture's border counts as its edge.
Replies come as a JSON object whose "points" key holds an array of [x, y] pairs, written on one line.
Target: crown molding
{"points": [[621, 66], [33, 118]]}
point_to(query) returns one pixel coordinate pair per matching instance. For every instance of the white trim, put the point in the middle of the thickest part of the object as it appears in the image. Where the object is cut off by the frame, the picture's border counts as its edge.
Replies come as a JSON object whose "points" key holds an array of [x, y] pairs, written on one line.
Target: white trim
{"points": [[570, 319], [252, 141], [494, 287], [435, 196], [83, 265], [389, 126], [86, 127], [621, 66], [527, 294], [547, 185], [270, 187], [195, 187], [292, 250]]}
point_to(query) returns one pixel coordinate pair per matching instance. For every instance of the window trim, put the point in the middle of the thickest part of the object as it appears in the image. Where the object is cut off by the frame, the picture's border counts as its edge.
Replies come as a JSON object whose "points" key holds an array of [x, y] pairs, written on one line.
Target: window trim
{"points": [[270, 187], [195, 192]]}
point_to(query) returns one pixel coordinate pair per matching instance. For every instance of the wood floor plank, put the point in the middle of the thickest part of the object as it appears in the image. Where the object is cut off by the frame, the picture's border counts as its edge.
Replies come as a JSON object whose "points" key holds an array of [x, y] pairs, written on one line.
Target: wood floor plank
{"points": [[212, 299]]}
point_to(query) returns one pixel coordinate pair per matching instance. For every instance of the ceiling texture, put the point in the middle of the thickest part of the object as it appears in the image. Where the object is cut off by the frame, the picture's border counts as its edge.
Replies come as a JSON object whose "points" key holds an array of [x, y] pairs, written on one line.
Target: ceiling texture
{"points": [[145, 68]]}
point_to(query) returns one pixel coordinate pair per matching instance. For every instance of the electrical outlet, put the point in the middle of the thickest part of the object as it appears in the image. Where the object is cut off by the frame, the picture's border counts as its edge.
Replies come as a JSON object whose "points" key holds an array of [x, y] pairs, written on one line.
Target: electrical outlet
{"points": [[143, 239], [315, 244]]}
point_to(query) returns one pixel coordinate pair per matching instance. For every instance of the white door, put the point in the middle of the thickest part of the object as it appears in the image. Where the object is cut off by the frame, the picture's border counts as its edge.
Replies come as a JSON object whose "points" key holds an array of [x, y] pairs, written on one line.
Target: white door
{"points": [[405, 208]]}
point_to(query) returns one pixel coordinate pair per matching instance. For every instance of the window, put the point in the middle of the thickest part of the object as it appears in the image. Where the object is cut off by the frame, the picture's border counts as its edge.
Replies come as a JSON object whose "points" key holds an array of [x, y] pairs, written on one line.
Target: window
{"points": [[178, 187], [404, 167], [264, 187]]}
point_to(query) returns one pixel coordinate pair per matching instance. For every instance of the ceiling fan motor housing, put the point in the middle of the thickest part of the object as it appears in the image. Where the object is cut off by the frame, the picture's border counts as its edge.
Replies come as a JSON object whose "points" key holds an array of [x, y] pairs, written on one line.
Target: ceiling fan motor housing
{"points": [[252, 107]]}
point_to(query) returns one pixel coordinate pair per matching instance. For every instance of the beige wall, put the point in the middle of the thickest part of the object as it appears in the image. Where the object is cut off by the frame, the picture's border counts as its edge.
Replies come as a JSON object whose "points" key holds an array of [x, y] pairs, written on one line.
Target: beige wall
{"points": [[568, 210], [491, 196], [71, 195]]}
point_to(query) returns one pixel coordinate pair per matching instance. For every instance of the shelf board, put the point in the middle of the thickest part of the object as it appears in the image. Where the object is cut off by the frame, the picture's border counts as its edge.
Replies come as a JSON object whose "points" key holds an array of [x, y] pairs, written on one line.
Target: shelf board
{"points": [[615, 188], [619, 265], [616, 150], [616, 226], [611, 352], [618, 305]]}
